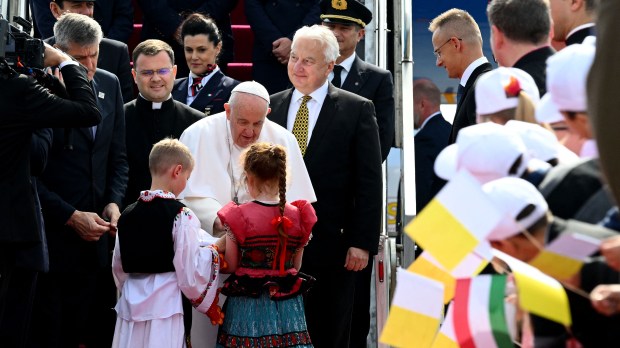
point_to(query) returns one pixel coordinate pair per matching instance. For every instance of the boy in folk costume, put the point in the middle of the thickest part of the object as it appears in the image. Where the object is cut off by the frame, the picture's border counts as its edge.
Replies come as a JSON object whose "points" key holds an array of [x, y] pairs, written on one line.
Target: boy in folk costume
{"points": [[163, 262]]}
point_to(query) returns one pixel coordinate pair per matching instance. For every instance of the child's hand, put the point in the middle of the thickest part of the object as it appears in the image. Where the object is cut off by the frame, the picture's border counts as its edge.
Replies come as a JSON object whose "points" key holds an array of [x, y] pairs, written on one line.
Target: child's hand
{"points": [[221, 244]]}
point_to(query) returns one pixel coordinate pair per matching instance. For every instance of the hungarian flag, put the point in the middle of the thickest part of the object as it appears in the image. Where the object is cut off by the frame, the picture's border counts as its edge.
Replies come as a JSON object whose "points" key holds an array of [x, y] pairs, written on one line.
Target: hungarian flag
{"points": [[480, 313]]}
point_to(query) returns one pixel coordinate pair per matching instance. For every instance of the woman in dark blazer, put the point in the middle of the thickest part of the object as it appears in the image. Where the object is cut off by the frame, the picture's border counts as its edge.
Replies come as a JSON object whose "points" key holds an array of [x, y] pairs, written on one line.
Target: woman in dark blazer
{"points": [[207, 88]]}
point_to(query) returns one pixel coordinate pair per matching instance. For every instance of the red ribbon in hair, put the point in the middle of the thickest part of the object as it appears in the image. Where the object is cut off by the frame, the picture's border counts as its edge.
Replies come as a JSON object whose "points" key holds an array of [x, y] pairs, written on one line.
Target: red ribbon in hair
{"points": [[282, 238]]}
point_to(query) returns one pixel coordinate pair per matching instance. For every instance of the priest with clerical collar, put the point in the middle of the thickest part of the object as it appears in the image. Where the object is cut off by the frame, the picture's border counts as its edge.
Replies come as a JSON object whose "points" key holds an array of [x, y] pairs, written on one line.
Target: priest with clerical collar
{"points": [[153, 115]]}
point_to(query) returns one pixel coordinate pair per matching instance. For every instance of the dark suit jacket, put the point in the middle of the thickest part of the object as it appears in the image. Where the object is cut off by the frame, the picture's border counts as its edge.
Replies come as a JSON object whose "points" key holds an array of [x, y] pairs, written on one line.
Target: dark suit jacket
{"points": [[344, 164], [211, 98], [429, 142], [146, 127], [87, 177], [163, 17], [114, 58], [580, 35], [271, 20], [26, 105], [374, 83], [466, 108], [114, 16], [535, 64]]}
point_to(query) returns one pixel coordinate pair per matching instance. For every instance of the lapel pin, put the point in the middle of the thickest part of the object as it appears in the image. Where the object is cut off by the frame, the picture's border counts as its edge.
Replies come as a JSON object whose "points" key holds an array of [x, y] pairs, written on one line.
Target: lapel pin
{"points": [[101, 95]]}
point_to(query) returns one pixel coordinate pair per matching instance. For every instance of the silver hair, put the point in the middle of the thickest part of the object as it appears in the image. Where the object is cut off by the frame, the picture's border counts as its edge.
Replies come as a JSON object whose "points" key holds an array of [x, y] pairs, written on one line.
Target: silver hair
{"points": [[78, 29], [323, 36]]}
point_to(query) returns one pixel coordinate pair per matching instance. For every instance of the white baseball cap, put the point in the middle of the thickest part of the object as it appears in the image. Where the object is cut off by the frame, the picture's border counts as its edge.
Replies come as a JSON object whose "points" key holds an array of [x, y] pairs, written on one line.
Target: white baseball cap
{"points": [[547, 111], [567, 73], [541, 143], [252, 87], [499, 90], [511, 196], [485, 150]]}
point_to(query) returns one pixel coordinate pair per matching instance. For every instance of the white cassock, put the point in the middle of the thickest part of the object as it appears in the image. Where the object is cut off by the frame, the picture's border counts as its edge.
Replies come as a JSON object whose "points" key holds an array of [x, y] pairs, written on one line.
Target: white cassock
{"points": [[211, 186]]}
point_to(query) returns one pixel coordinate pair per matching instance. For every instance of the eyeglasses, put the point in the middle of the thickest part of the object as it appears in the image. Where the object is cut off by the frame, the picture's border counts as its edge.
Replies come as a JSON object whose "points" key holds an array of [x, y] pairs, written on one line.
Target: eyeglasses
{"points": [[437, 52], [151, 73]]}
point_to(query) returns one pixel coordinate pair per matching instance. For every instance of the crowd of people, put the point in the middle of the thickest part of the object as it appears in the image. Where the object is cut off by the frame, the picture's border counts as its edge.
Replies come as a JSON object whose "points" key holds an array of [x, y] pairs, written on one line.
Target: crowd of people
{"points": [[208, 212]]}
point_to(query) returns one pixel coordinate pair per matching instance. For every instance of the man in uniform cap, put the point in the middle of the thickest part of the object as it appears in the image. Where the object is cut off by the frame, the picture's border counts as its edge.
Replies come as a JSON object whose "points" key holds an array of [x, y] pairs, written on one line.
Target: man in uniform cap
{"points": [[216, 142], [347, 20]]}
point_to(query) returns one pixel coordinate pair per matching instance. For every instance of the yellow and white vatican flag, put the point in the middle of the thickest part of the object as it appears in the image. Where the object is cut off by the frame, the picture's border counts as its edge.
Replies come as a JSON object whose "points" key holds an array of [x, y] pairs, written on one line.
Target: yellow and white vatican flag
{"points": [[452, 225], [415, 312]]}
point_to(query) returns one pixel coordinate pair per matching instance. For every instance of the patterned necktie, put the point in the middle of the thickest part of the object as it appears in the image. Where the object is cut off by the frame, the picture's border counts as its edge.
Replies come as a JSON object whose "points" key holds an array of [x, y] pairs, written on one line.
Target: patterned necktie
{"points": [[336, 80], [300, 127], [196, 85]]}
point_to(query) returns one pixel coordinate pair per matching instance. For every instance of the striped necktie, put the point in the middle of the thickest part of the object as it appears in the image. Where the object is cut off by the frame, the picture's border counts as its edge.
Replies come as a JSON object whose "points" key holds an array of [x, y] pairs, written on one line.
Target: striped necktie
{"points": [[196, 85], [300, 127]]}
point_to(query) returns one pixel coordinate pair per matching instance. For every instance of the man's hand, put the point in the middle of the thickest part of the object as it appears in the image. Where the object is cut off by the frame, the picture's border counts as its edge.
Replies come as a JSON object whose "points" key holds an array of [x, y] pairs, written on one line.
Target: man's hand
{"points": [[610, 249], [218, 228], [606, 299], [89, 226], [357, 259], [112, 213], [281, 49], [53, 56]]}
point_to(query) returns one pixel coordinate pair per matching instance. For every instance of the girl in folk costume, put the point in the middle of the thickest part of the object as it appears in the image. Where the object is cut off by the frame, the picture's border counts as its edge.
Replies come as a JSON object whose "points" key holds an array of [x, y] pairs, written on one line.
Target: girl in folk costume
{"points": [[264, 247], [163, 262]]}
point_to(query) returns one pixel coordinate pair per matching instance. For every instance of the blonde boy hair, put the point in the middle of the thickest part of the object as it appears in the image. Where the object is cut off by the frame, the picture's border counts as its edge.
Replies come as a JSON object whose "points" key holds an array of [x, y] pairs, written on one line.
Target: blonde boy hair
{"points": [[168, 153]]}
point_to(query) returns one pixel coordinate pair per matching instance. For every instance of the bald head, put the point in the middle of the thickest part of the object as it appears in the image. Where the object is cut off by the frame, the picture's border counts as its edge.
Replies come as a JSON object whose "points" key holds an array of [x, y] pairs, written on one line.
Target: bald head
{"points": [[426, 100]]}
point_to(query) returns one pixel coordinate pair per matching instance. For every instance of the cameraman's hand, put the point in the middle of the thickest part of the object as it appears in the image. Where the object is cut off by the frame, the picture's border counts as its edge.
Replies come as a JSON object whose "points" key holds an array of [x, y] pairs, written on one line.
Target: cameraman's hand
{"points": [[54, 56], [89, 226]]}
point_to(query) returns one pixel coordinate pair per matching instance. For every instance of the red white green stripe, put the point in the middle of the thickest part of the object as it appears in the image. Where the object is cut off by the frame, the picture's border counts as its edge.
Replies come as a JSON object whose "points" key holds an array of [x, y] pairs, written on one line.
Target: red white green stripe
{"points": [[479, 313]]}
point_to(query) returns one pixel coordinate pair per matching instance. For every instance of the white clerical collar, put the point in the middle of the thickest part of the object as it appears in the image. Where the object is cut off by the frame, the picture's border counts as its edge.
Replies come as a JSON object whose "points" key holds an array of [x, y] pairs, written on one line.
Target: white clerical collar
{"points": [[470, 69], [576, 29], [348, 63], [156, 105], [318, 95]]}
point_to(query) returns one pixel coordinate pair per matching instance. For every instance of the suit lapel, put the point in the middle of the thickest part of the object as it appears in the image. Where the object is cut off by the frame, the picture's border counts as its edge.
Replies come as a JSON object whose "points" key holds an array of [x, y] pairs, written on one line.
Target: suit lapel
{"points": [[472, 79], [326, 116], [182, 90], [206, 96], [279, 110], [356, 77]]}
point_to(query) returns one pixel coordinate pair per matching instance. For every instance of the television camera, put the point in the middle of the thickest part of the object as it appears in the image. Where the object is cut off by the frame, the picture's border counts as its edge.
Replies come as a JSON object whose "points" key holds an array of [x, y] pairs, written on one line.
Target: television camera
{"points": [[18, 50]]}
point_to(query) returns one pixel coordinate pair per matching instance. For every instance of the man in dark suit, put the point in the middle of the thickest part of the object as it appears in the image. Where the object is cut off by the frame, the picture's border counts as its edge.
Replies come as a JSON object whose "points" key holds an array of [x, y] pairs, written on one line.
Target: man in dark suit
{"points": [[163, 18], [457, 45], [113, 55], [347, 22], [82, 186], [154, 115], [573, 20], [338, 135], [27, 105], [114, 16], [274, 23], [520, 36], [432, 135], [355, 75]]}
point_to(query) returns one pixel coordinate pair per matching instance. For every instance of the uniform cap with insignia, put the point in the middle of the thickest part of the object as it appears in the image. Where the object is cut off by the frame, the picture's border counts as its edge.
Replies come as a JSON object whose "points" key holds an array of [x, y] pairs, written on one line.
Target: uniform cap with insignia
{"points": [[345, 12]]}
